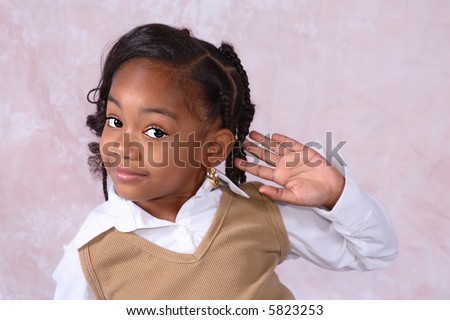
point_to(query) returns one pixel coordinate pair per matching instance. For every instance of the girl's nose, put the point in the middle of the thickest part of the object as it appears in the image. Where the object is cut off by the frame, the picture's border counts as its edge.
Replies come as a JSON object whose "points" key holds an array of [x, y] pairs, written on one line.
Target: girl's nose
{"points": [[123, 149], [131, 149]]}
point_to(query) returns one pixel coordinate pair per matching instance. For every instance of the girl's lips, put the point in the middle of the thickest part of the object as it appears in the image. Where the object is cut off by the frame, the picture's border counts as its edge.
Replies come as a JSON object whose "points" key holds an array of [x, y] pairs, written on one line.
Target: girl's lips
{"points": [[127, 175]]}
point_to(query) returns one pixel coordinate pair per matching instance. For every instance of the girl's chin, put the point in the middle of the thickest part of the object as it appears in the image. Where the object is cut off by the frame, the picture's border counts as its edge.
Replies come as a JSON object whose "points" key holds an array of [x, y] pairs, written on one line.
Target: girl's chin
{"points": [[131, 194]]}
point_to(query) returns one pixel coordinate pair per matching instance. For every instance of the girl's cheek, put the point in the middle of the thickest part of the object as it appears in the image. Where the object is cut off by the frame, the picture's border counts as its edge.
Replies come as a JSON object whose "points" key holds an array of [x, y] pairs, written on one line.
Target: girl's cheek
{"points": [[109, 150]]}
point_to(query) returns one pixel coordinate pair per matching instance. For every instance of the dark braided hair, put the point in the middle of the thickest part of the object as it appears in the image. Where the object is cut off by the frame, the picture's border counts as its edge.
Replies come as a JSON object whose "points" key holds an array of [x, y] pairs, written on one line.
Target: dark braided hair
{"points": [[217, 73], [245, 116]]}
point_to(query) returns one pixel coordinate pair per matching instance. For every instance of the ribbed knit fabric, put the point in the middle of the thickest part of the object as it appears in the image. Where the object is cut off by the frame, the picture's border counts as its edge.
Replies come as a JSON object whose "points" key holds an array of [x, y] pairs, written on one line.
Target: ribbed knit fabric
{"points": [[235, 260]]}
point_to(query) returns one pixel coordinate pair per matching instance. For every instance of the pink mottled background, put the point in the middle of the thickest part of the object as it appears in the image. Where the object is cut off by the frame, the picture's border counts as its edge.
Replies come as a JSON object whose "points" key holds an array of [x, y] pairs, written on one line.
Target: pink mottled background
{"points": [[375, 73]]}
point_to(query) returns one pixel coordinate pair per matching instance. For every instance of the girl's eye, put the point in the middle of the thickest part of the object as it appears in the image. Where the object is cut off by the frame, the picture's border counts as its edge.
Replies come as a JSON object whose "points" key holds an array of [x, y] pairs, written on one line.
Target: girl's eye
{"points": [[155, 133], [114, 122]]}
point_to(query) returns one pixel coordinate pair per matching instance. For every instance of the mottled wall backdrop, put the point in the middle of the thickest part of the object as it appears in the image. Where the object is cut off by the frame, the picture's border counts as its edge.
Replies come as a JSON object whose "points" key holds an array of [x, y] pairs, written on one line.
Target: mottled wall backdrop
{"points": [[375, 73]]}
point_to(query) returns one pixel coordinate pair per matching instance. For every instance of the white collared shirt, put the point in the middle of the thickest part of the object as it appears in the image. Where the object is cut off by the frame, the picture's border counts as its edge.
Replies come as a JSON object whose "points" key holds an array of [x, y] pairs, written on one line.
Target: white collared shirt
{"points": [[357, 234]]}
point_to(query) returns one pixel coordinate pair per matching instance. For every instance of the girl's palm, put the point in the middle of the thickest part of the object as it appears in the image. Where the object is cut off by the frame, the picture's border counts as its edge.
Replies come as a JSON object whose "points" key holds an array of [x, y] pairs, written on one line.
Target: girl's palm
{"points": [[306, 177]]}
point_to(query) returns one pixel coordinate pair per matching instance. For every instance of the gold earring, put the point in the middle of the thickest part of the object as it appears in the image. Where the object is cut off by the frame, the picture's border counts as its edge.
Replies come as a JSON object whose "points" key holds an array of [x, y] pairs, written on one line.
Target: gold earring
{"points": [[211, 174]]}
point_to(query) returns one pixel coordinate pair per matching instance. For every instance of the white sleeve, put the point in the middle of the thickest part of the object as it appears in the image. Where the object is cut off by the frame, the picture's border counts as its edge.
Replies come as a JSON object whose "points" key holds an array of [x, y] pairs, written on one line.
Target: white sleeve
{"points": [[69, 277], [356, 234]]}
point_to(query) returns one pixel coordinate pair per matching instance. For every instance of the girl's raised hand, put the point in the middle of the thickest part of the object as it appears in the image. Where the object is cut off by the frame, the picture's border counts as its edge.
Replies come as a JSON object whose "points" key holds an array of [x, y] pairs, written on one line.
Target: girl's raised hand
{"points": [[305, 177]]}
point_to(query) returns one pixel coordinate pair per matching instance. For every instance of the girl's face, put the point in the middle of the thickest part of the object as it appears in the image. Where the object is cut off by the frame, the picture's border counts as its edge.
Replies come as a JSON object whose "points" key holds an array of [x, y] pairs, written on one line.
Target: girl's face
{"points": [[148, 143]]}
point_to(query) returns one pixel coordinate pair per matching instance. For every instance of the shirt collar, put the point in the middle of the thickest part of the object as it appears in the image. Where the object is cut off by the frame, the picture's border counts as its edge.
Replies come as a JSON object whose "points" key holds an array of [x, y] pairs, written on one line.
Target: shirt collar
{"points": [[223, 180]]}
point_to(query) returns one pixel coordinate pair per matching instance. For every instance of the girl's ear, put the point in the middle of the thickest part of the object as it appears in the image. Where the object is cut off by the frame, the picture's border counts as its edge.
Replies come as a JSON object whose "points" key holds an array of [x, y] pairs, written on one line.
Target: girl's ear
{"points": [[218, 147]]}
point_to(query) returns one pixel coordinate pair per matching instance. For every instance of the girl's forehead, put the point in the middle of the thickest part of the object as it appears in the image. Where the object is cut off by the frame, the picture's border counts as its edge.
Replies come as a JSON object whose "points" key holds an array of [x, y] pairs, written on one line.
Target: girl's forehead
{"points": [[143, 83]]}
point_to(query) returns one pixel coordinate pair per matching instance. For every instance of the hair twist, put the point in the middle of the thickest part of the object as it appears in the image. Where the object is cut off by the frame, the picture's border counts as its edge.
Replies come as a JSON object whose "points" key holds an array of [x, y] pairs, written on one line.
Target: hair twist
{"points": [[245, 114]]}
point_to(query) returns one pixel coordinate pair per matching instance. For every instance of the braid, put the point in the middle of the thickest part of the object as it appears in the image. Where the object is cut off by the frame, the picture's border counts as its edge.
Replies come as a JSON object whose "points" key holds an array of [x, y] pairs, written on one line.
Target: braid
{"points": [[96, 123], [244, 115], [104, 182], [226, 105]]}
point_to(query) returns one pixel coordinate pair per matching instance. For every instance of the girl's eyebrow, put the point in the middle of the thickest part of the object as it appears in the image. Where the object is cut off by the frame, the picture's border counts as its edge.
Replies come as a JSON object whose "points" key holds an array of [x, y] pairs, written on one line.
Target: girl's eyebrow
{"points": [[162, 111]]}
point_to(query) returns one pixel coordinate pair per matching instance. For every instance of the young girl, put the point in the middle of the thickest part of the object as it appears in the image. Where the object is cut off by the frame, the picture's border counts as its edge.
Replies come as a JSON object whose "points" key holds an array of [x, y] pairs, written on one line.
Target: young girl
{"points": [[170, 109]]}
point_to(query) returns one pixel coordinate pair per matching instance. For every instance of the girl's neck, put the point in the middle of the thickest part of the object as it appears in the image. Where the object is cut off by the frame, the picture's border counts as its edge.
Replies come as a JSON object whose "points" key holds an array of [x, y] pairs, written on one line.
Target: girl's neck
{"points": [[167, 208]]}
